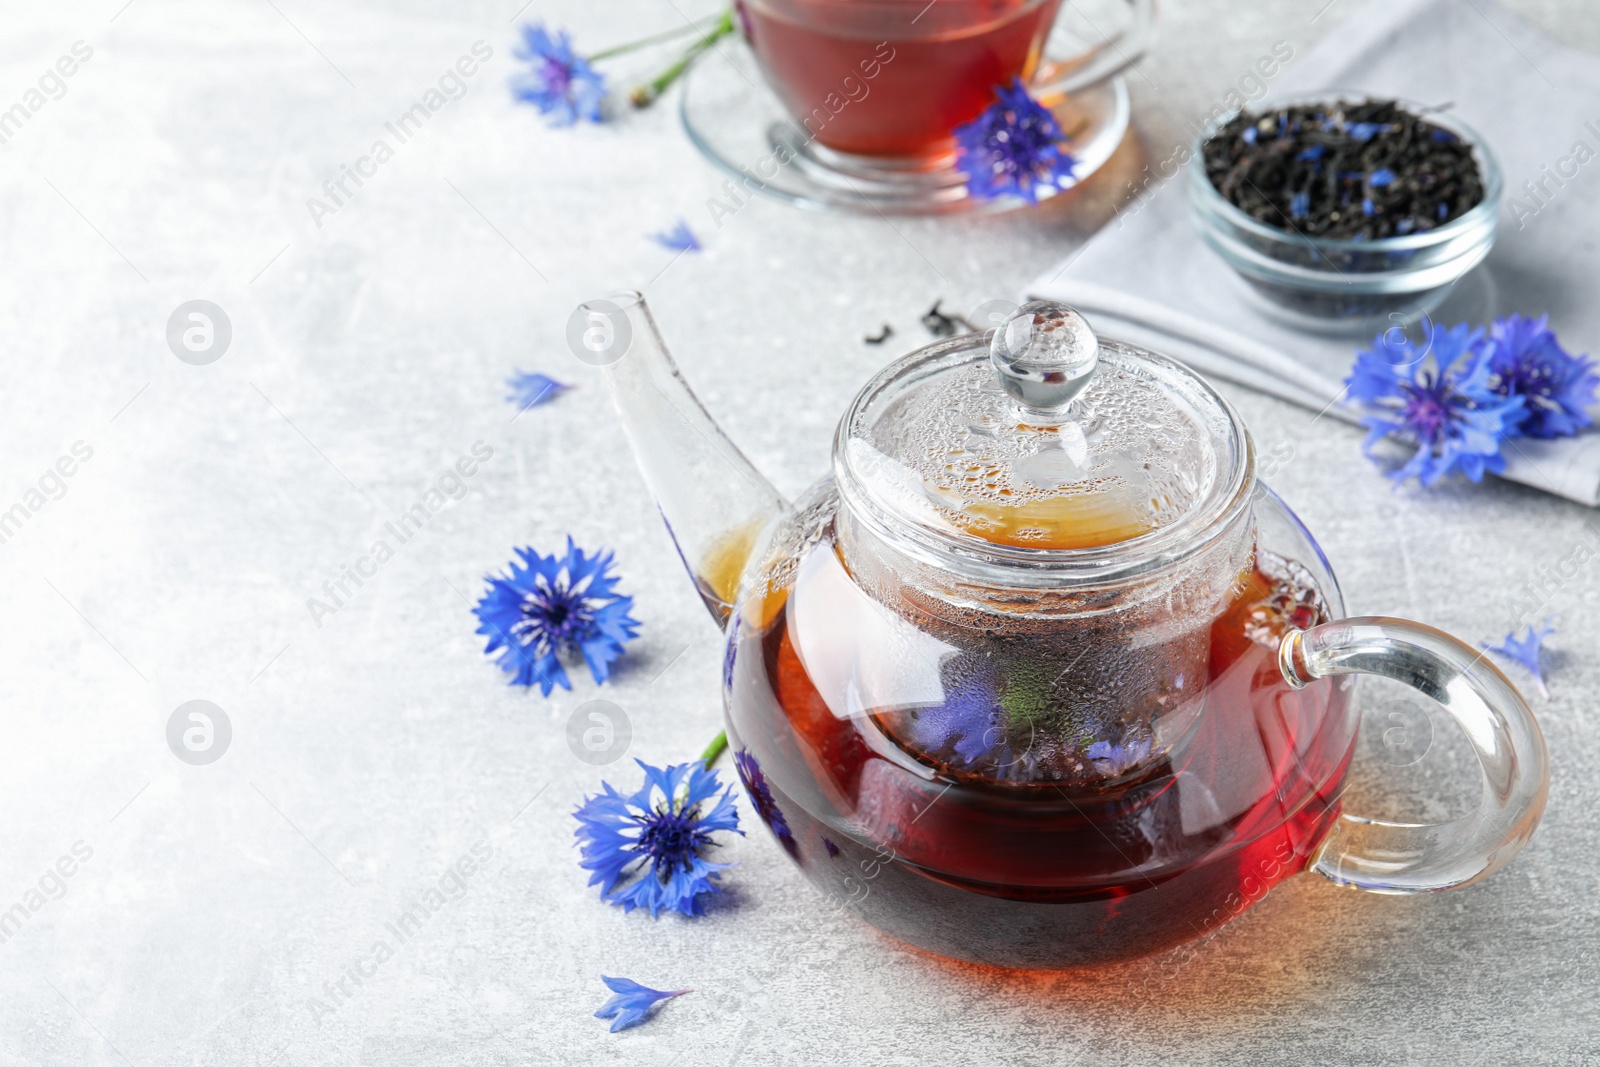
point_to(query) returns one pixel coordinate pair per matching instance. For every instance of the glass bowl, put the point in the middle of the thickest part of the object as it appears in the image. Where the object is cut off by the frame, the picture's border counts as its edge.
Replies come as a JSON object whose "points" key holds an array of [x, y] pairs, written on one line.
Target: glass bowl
{"points": [[1326, 284]]}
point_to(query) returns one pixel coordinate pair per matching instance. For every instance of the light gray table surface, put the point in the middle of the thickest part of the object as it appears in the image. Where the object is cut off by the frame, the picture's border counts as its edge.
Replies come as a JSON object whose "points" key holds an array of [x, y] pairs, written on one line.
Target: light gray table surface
{"points": [[374, 747]]}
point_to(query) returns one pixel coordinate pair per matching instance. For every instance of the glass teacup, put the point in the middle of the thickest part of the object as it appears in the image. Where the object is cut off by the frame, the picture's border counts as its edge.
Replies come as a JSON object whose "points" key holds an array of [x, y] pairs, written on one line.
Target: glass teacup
{"points": [[894, 78]]}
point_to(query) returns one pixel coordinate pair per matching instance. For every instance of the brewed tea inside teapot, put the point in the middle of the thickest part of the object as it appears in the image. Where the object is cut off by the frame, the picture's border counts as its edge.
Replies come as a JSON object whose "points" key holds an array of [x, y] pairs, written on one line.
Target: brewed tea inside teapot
{"points": [[1041, 675]]}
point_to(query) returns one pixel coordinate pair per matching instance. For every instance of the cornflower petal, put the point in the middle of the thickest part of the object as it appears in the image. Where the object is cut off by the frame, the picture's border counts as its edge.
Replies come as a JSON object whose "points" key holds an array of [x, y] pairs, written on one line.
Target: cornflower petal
{"points": [[630, 1001], [1525, 650]]}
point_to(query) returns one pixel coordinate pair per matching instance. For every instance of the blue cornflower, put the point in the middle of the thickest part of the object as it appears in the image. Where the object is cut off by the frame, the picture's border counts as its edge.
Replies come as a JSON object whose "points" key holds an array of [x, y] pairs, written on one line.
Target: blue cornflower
{"points": [[549, 605], [1366, 131], [1557, 387], [1445, 408], [658, 837], [561, 84], [1367, 206], [1115, 759], [755, 783], [531, 388], [970, 722], [1381, 177], [1525, 650], [1013, 147], [1299, 205], [1312, 154], [631, 1001], [678, 239]]}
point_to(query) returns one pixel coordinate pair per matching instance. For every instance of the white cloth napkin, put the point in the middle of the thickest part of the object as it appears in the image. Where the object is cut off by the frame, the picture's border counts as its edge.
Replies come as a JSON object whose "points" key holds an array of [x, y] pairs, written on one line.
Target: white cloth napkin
{"points": [[1533, 100]]}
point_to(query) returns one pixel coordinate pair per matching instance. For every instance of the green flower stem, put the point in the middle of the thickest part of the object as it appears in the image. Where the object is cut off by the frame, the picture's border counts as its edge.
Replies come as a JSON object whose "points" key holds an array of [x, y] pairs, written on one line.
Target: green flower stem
{"points": [[647, 94], [643, 42], [717, 746]]}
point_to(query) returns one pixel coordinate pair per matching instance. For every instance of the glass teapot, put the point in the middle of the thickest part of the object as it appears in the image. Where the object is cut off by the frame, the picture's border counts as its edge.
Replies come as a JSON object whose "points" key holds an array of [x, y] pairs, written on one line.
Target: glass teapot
{"points": [[1042, 675]]}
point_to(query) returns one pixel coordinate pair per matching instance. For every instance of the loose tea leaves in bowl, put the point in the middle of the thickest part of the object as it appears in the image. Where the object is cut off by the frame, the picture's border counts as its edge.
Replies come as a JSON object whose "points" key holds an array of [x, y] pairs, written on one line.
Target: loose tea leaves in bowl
{"points": [[1344, 170]]}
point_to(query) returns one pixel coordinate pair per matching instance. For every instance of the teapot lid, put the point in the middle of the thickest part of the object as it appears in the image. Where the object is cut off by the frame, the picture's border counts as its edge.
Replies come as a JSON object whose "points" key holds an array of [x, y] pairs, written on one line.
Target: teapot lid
{"points": [[1040, 445]]}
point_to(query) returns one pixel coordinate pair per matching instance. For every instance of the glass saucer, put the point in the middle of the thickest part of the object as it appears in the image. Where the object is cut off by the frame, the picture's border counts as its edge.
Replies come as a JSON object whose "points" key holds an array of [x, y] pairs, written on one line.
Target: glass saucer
{"points": [[738, 123]]}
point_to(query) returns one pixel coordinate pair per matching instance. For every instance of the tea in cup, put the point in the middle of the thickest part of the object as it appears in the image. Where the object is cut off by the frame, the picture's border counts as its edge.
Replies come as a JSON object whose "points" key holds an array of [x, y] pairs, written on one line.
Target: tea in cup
{"points": [[895, 78]]}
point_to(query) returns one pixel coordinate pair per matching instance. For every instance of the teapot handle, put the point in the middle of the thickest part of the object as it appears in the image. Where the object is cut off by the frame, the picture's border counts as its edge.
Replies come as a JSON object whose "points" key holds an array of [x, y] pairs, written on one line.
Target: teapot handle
{"points": [[1389, 857]]}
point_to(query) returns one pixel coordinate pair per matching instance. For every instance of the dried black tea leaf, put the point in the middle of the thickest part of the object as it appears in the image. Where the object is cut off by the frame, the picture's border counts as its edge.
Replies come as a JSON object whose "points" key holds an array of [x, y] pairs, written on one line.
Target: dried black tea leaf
{"points": [[942, 325], [1345, 171]]}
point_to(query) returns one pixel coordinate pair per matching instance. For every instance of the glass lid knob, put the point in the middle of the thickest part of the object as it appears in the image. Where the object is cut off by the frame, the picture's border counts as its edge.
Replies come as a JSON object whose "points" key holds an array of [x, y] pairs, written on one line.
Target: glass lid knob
{"points": [[1044, 354]]}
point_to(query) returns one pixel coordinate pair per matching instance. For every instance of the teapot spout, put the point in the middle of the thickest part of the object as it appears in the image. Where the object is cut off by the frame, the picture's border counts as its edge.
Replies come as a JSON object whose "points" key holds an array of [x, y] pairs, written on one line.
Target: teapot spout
{"points": [[714, 502]]}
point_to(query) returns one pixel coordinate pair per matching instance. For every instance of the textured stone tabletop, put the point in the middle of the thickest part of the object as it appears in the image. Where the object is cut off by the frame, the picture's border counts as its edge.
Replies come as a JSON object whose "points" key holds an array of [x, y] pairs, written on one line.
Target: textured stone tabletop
{"points": [[199, 914]]}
